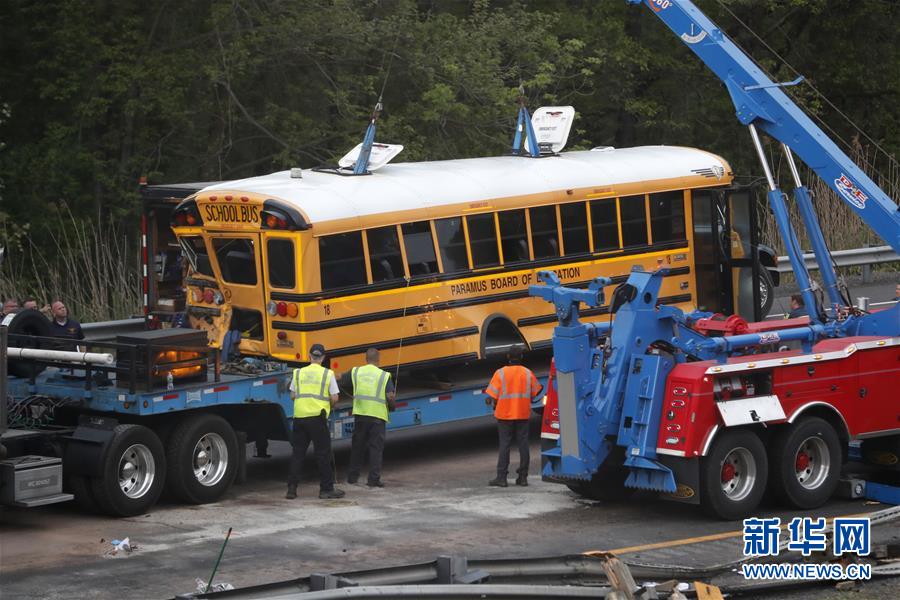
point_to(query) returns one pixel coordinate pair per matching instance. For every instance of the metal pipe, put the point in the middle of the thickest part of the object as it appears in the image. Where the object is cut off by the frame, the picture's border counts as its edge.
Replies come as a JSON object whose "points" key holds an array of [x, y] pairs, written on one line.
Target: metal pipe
{"points": [[783, 220], [92, 358], [816, 237], [762, 158]]}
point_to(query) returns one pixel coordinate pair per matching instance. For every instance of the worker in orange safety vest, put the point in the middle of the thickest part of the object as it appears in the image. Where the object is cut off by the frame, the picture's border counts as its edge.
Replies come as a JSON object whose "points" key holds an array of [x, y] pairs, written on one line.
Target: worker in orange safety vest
{"points": [[511, 392]]}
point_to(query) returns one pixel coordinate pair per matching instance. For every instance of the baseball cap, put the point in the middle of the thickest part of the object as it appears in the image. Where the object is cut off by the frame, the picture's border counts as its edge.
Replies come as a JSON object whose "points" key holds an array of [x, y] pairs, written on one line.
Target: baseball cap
{"points": [[317, 350]]}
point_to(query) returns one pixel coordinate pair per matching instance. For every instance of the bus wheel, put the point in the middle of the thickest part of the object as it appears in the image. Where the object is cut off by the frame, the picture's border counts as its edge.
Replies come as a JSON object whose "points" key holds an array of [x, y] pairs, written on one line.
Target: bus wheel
{"points": [[806, 463], [766, 292], [733, 475], [133, 472], [203, 459]]}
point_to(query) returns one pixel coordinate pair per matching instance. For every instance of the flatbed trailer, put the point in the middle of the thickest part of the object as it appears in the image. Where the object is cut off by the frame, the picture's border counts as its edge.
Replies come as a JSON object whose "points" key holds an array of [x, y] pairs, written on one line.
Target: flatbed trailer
{"points": [[116, 440]]}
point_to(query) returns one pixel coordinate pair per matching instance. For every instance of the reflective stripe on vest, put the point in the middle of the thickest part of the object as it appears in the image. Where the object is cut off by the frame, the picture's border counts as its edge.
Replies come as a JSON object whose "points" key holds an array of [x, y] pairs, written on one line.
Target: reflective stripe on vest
{"points": [[311, 389], [369, 397]]}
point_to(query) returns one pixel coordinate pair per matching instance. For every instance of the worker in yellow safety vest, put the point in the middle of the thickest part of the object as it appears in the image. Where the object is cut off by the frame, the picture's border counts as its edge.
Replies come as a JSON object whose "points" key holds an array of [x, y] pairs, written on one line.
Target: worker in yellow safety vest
{"points": [[511, 391], [314, 391], [373, 398]]}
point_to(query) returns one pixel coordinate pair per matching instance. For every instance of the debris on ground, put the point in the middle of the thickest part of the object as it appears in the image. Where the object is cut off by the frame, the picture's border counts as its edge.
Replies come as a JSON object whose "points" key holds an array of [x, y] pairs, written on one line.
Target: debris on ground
{"points": [[216, 587], [120, 548]]}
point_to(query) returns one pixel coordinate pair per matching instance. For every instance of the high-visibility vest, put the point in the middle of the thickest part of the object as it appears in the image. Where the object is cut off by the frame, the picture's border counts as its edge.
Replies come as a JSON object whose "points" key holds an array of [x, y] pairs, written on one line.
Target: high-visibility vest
{"points": [[311, 389], [513, 388], [369, 397]]}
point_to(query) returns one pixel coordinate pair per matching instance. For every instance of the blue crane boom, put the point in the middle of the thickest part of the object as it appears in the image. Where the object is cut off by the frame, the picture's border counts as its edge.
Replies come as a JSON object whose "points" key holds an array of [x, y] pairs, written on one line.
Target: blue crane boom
{"points": [[761, 104]]}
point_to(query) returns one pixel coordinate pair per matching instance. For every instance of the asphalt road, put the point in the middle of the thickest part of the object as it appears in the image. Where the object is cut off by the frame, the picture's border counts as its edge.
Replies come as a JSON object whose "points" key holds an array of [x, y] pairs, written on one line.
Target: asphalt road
{"points": [[436, 501]]}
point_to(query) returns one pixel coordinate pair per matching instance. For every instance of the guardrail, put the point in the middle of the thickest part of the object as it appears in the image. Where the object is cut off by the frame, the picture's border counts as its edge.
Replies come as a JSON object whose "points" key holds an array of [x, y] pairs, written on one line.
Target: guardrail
{"points": [[847, 258], [103, 330]]}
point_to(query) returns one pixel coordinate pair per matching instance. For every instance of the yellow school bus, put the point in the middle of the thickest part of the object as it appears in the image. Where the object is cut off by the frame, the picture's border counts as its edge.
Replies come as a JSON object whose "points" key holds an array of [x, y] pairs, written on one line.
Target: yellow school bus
{"points": [[430, 261]]}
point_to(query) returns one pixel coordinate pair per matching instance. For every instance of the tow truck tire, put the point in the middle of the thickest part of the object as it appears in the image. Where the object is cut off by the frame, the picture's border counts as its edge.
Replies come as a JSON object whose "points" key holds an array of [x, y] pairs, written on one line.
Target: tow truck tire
{"points": [[608, 483], [203, 459], [134, 472], [733, 475], [806, 463]]}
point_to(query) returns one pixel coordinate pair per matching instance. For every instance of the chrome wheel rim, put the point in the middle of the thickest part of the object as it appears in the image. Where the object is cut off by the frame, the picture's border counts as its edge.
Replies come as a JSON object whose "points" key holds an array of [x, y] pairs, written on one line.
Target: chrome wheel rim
{"points": [[738, 474], [210, 459], [812, 463], [137, 469]]}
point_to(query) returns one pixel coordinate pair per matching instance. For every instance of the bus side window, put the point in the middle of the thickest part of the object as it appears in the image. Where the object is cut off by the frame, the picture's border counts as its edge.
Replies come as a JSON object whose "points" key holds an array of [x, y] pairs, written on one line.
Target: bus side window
{"points": [[605, 225], [634, 221], [281, 263], [341, 261], [384, 253], [419, 248], [483, 240], [513, 236], [544, 234], [452, 242], [237, 260], [667, 216], [574, 228]]}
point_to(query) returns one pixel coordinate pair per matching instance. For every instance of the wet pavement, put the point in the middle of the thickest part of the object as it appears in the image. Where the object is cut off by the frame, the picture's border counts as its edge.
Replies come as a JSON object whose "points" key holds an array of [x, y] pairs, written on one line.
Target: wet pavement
{"points": [[435, 501]]}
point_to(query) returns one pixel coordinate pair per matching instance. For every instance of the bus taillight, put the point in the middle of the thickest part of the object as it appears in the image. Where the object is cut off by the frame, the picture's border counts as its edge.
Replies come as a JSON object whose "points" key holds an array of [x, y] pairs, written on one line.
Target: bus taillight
{"points": [[274, 222], [186, 214]]}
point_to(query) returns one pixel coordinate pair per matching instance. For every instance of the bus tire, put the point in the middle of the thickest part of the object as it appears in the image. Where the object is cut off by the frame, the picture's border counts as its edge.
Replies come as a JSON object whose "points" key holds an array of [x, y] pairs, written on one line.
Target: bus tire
{"points": [[766, 292], [806, 463], [203, 459], [133, 472], [733, 475]]}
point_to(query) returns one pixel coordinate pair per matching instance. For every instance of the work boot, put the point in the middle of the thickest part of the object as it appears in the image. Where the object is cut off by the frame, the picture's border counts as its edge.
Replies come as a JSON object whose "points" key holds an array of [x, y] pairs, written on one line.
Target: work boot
{"points": [[522, 480], [375, 484], [291, 493], [498, 482], [351, 479], [329, 494]]}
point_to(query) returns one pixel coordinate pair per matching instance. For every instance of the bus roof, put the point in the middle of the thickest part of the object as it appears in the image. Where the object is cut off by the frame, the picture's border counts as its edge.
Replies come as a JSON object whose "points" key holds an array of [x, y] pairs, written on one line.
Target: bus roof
{"points": [[414, 186]]}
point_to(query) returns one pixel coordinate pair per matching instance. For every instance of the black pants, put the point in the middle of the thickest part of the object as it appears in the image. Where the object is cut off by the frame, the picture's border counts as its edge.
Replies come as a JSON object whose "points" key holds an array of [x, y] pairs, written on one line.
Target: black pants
{"points": [[368, 438], [508, 430], [315, 430]]}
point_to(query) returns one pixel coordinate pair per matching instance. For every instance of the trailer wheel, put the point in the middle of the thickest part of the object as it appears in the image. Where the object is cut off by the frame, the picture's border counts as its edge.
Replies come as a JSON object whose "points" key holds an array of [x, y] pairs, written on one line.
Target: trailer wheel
{"points": [[733, 475], [806, 463], [134, 471], [202, 458]]}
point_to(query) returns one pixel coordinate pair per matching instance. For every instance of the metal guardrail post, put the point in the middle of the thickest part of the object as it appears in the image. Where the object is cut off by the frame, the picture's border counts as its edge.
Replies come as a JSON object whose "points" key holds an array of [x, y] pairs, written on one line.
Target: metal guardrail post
{"points": [[867, 270]]}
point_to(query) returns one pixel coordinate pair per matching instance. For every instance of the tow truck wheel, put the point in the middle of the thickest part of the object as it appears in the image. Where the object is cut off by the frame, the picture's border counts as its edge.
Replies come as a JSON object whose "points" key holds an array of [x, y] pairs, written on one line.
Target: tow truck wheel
{"points": [[806, 463], [203, 459], [733, 475], [134, 470]]}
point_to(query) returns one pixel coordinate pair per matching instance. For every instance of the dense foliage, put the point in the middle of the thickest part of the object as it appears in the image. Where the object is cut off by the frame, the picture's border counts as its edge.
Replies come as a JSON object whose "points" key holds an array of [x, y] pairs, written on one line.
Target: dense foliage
{"points": [[96, 94]]}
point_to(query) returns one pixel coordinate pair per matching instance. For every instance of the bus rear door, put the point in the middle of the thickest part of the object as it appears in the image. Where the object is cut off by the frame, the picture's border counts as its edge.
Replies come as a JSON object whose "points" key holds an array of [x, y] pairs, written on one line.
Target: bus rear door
{"points": [[242, 283]]}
